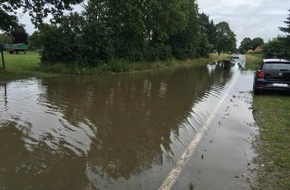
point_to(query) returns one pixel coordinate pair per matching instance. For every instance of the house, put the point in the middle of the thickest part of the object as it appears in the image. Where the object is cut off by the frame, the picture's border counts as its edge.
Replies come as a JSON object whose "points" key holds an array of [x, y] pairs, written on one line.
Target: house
{"points": [[258, 49]]}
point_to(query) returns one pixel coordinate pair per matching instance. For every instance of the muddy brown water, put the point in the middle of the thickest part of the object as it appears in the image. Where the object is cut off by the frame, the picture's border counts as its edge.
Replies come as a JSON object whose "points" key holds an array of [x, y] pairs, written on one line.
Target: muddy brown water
{"points": [[121, 131]]}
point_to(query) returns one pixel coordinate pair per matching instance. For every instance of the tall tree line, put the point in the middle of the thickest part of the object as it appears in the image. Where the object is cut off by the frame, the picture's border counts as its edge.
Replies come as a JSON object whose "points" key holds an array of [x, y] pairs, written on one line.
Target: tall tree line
{"points": [[133, 30], [249, 44]]}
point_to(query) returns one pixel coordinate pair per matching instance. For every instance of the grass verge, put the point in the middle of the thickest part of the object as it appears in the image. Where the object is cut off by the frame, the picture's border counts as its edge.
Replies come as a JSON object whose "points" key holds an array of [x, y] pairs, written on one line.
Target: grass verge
{"points": [[253, 61], [272, 115], [21, 66], [29, 65]]}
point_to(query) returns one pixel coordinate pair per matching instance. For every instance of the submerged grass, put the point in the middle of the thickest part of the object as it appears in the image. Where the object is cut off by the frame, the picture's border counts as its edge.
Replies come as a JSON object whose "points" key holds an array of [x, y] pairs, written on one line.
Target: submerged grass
{"points": [[272, 115]]}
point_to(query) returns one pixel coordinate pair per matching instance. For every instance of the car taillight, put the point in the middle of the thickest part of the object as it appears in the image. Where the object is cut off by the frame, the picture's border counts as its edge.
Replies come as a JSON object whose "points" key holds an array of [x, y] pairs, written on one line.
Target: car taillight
{"points": [[260, 74]]}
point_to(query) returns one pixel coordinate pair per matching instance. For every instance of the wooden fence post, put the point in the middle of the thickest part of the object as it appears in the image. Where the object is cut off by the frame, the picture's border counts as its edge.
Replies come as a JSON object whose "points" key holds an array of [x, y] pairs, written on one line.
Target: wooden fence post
{"points": [[2, 55]]}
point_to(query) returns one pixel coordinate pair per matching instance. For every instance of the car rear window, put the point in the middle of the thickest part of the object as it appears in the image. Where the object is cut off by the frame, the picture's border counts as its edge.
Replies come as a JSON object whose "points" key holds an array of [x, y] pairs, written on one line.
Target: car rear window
{"points": [[277, 66]]}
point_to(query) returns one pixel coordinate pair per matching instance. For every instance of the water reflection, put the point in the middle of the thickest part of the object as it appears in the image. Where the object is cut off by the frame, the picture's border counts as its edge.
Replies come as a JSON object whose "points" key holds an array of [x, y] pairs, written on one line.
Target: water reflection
{"points": [[108, 132], [3, 88]]}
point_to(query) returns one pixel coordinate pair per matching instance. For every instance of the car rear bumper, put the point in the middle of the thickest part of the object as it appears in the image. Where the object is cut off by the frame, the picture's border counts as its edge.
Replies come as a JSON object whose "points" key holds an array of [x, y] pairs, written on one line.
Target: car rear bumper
{"points": [[277, 85]]}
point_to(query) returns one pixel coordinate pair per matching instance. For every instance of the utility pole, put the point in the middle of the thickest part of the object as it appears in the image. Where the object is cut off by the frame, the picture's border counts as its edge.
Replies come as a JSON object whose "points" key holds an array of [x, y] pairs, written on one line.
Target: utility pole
{"points": [[2, 55]]}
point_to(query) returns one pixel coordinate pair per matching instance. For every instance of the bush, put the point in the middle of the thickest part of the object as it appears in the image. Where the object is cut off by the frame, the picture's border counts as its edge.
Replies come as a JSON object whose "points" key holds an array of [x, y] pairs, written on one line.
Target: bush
{"points": [[159, 52]]}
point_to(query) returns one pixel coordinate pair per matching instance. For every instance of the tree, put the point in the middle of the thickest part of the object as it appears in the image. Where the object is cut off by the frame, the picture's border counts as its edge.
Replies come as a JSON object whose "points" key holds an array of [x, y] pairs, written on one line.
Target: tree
{"points": [[131, 30], [204, 47], [286, 39], [246, 44], [286, 29], [63, 43], [225, 39], [34, 40], [164, 21], [257, 42], [37, 9], [185, 43], [5, 39], [19, 34], [274, 48], [6, 20], [208, 29]]}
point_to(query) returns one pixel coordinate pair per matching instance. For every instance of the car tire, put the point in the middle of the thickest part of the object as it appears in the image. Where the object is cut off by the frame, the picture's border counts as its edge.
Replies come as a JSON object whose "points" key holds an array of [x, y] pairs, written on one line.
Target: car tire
{"points": [[256, 91]]}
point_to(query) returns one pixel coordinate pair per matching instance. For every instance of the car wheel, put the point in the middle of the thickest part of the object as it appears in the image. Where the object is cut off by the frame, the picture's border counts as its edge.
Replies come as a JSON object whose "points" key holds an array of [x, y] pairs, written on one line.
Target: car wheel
{"points": [[256, 91]]}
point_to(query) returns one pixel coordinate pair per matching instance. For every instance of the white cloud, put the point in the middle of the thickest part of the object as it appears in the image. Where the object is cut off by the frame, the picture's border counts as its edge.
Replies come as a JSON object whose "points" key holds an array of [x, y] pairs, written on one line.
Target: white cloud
{"points": [[249, 18], [24, 18]]}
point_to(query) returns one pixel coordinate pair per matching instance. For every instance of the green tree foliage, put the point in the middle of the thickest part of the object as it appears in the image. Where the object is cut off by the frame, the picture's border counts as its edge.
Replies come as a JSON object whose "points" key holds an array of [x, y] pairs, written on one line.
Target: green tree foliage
{"points": [[37, 9], [34, 40], [204, 47], [131, 30], [19, 35], [279, 47], [64, 43], [6, 20], [225, 38], [257, 42], [246, 44], [5, 38], [274, 48], [287, 28], [208, 29], [286, 39], [185, 43], [126, 29]]}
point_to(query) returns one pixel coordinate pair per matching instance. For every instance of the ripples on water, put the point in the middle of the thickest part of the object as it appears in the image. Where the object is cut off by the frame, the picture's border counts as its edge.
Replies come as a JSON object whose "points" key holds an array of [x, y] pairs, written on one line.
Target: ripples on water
{"points": [[109, 132]]}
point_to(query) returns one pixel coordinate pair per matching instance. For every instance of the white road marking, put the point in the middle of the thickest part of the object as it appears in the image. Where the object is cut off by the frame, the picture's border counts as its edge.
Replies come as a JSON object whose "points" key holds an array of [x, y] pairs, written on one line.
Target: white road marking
{"points": [[175, 172]]}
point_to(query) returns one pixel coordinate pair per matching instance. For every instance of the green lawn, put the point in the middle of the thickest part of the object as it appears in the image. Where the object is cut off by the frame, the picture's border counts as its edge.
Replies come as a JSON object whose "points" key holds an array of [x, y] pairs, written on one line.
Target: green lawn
{"points": [[22, 65], [22, 62], [273, 118], [29, 64]]}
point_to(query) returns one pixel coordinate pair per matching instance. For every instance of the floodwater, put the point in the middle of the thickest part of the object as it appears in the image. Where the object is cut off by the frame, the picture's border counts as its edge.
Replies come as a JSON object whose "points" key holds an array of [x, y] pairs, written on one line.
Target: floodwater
{"points": [[126, 131]]}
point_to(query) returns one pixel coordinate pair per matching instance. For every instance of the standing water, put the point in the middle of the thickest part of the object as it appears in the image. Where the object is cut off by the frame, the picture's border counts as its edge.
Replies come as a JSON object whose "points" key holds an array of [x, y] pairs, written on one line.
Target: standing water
{"points": [[108, 132]]}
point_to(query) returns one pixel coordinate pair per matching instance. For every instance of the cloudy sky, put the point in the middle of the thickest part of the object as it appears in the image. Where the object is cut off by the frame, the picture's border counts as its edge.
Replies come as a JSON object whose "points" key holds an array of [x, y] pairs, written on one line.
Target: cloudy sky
{"points": [[247, 18]]}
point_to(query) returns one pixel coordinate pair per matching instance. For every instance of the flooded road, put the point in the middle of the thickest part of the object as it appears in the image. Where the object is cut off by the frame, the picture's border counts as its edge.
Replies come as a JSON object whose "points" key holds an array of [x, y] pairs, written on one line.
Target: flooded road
{"points": [[127, 131]]}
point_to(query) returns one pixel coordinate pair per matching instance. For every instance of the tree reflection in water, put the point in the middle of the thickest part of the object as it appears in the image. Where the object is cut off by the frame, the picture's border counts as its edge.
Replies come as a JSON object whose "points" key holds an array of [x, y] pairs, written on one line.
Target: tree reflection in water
{"points": [[98, 130], [42, 168]]}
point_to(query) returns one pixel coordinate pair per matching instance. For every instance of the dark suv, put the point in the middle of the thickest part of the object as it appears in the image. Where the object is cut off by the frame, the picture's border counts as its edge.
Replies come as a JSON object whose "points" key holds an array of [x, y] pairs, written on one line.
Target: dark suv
{"points": [[272, 74]]}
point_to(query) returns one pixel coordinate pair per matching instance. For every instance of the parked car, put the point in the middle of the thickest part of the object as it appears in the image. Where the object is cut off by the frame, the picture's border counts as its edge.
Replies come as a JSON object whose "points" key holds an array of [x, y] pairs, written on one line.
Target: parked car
{"points": [[272, 74]]}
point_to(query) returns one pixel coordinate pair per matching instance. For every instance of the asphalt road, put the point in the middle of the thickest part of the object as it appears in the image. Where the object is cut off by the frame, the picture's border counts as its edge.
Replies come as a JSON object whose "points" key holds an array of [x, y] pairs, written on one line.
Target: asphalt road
{"points": [[221, 154]]}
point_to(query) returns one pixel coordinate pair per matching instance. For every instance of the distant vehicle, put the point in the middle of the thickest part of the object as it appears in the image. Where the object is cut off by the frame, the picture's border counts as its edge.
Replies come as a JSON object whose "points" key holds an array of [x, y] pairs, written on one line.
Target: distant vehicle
{"points": [[272, 74], [234, 58]]}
